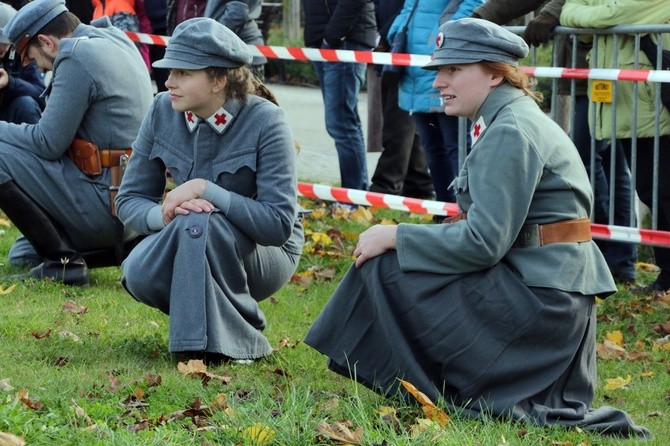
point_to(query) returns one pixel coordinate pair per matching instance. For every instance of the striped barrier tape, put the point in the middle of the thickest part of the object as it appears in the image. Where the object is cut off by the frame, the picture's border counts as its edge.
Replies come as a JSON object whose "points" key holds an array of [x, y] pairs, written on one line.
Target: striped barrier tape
{"points": [[417, 205], [418, 60]]}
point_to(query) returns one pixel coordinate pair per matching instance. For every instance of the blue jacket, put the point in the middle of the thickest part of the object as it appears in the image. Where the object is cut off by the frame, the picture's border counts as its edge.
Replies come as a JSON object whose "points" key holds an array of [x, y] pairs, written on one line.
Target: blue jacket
{"points": [[416, 94]]}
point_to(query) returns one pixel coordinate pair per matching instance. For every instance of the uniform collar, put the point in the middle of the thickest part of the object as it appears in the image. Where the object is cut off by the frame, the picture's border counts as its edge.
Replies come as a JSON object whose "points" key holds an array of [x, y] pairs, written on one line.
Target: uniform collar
{"points": [[499, 98], [219, 121]]}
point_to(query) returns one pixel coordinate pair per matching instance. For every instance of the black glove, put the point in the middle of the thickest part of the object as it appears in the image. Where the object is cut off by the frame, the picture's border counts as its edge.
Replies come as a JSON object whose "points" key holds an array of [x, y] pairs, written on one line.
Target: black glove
{"points": [[540, 29]]}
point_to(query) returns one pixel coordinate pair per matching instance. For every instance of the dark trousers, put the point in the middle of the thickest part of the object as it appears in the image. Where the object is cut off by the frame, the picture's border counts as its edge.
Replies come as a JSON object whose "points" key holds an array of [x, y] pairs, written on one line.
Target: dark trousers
{"points": [[402, 168], [645, 190], [620, 256]]}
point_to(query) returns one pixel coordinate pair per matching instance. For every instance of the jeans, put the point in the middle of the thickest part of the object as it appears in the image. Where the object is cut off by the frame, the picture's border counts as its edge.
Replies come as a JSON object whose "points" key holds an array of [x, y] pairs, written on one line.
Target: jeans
{"points": [[340, 85], [439, 137], [620, 256], [20, 110]]}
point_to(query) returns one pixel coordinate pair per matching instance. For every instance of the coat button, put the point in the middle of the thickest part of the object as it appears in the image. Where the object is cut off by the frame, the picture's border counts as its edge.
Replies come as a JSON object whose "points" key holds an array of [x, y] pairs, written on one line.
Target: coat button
{"points": [[195, 231]]}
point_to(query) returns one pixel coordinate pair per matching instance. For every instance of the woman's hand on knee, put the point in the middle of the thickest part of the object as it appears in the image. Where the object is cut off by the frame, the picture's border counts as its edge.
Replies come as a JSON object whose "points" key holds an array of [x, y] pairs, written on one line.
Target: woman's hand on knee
{"points": [[188, 192], [375, 241]]}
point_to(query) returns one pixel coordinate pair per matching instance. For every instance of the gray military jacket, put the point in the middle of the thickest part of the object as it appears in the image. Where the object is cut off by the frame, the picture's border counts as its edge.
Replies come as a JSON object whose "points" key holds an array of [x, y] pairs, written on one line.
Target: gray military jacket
{"points": [[523, 169], [248, 159]]}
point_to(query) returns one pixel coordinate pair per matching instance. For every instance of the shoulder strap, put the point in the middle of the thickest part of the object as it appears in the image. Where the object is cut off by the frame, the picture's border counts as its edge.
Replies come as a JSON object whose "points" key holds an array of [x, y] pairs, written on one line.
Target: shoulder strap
{"points": [[409, 17]]}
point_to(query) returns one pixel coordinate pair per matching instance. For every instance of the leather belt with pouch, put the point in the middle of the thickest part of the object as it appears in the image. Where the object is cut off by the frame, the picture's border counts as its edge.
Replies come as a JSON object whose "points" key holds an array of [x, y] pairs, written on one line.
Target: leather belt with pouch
{"points": [[577, 230], [90, 159]]}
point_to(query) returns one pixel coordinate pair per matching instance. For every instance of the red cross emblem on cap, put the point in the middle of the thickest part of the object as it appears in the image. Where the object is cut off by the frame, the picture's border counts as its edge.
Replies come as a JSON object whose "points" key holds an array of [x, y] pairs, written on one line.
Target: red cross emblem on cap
{"points": [[439, 41]]}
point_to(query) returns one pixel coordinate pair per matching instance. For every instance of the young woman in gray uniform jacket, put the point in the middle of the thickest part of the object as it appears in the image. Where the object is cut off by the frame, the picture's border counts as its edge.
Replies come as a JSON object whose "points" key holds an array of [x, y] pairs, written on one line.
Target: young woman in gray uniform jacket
{"points": [[229, 234], [494, 311]]}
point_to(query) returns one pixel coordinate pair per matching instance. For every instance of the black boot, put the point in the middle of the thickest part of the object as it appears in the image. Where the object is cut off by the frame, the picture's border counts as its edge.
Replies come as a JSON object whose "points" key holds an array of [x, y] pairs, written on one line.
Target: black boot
{"points": [[62, 262]]}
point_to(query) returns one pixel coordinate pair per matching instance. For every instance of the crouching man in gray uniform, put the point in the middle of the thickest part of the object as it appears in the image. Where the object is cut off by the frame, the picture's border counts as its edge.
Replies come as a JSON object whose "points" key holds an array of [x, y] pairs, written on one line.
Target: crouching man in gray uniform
{"points": [[99, 93]]}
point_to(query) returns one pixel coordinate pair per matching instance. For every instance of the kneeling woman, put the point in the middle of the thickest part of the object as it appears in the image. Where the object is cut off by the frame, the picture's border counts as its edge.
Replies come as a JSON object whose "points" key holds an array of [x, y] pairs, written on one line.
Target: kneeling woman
{"points": [[494, 312], [229, 234]]}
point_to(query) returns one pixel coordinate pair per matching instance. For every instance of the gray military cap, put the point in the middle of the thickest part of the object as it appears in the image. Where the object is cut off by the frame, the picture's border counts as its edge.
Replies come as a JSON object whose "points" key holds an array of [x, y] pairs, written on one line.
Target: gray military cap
{"points": [[202, 42], [6, 13], [471, 40], [30, 19]]}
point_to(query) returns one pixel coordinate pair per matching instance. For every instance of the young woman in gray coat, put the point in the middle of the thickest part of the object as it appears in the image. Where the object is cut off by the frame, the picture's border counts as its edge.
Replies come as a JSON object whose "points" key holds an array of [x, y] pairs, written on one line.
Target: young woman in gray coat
{"points": [[495, 311], [228, 235]]}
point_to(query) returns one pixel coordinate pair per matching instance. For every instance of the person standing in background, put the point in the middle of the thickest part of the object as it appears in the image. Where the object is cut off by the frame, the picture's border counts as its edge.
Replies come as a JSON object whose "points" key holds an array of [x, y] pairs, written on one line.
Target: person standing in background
{"points": [[621, 48], [21, 86], [156, 10], [438, 132], [345, 25], [401, 167]]}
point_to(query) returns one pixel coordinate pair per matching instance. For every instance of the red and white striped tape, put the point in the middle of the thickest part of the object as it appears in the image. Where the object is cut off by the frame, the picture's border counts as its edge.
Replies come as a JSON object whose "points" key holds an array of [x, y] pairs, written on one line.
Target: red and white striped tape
{"points": [[418, 60], [375, 199]]}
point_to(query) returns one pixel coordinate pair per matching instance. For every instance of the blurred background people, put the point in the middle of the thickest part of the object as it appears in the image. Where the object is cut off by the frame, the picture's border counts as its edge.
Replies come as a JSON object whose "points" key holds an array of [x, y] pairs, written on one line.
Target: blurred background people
{"points": [[401, 167], [345, 25], [20, 87], [621, 48], [438, 132]]}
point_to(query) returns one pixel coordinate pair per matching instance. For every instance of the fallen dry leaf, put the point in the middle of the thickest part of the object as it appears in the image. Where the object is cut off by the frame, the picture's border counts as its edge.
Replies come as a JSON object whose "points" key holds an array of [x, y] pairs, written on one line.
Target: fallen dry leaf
{"points": [[389, 417], [198, 368], [41, 334], [616, 337], [28, 402], [7, 439], [71, 307], [341, 431], [259, 434], [82, 419], [429, 408], [362, 215], [5, 386], [617, 383], [8, 290], [610, 350]]}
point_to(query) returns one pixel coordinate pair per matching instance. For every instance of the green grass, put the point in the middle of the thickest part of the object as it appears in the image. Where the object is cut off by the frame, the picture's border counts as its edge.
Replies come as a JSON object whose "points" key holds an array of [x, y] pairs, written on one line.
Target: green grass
{"points": [[72, 378]]}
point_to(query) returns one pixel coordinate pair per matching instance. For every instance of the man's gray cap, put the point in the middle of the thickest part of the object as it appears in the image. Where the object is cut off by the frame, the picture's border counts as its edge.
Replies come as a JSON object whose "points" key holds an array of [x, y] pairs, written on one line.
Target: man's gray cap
{"points": [[470, 40], [202, 42], [31, 18], [6, 13]]}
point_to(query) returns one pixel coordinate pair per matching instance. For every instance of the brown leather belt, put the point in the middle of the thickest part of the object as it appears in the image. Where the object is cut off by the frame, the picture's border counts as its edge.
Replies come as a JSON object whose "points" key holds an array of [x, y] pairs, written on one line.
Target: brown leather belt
{"points": [[112, 157], [577, 230], [567, 231]]}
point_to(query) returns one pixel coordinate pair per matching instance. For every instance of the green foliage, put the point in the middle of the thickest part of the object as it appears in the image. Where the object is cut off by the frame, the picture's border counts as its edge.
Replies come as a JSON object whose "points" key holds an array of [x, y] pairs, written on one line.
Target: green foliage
{"points": [[288, 71], [88, 377]]}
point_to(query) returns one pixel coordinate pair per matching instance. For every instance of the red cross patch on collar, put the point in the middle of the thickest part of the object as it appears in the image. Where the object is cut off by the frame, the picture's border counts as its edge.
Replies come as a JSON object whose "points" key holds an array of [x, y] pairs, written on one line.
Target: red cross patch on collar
{"points": [[477, 129], [220, 120], [191, 121]]}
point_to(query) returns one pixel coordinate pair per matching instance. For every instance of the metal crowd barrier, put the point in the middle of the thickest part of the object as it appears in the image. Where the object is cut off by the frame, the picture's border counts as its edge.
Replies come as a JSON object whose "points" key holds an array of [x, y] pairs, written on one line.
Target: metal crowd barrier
{"points": [[563, 35]]}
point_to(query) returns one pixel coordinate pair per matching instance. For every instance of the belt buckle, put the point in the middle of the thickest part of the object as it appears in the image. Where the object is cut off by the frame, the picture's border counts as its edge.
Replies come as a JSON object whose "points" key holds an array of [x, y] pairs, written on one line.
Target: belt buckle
{"points": [[529, 236]]}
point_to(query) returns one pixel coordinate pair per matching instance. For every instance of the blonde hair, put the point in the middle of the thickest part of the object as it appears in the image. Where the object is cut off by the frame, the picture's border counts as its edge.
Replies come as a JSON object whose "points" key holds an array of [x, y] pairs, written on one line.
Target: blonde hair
{"points": [[515, 77]]}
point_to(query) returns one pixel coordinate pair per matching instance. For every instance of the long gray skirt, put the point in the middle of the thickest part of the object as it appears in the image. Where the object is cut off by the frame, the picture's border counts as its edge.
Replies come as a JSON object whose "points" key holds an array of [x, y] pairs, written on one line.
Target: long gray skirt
{"points": [[209, 277], [485, 342]]}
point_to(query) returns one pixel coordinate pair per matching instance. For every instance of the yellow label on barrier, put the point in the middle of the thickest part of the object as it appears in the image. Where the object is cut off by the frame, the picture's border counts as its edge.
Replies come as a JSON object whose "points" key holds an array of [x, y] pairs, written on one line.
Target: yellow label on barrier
{"points": [[601, 91]]}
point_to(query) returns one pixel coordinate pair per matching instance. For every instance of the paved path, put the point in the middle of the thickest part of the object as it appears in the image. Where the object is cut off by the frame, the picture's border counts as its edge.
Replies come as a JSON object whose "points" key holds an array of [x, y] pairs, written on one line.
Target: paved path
{"points": [[317, 160]]}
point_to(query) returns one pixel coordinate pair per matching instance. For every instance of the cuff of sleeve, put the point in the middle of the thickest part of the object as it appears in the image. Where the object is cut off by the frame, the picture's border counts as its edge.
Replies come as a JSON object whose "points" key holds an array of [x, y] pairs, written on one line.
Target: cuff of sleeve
{"points": [[218, 196], [400, 245], [155, 219]]}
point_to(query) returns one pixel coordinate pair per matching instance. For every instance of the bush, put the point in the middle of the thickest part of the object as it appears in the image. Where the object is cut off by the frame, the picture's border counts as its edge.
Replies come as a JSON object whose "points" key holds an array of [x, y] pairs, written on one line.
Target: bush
{"points": [[288, 71]]}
